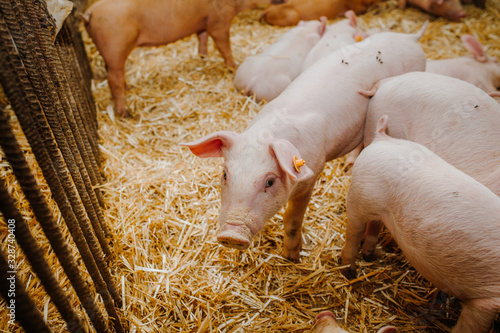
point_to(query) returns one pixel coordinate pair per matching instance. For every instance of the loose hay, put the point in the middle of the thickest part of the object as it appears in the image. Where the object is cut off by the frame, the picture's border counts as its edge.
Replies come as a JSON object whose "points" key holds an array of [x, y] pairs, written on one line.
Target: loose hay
{"points": [[163, 202]]}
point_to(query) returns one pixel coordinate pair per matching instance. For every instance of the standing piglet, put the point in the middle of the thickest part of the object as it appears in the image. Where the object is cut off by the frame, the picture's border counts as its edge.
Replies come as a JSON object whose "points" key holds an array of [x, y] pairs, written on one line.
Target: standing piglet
{"points": [[266, 75], [450, 9], [479, 69], [326, 323], [456, 120], [319, 117], [293, 11], [336, 36], [446, 223], [119, 26]]}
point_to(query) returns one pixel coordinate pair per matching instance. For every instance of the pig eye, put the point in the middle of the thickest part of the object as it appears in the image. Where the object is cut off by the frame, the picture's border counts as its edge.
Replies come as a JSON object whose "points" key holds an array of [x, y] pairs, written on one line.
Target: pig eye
{"points": [[269, 182], [224, 176]]}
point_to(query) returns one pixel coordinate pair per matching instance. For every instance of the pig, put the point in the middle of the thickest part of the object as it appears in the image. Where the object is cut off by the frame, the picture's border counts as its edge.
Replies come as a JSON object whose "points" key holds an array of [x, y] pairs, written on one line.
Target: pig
{"points": [[479, 69], [326, 323], [336, 36], [117, 27], [456, 120], [450, 9], [446, 223], [266, 75], [293, 11], [319, 117]]}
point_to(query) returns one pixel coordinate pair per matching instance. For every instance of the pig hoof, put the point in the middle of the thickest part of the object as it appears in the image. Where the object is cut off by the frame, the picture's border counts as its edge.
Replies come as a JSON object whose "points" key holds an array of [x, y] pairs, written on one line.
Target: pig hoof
{"points": [[122, 112], [369, 257], [292, 258], [349, 273]]}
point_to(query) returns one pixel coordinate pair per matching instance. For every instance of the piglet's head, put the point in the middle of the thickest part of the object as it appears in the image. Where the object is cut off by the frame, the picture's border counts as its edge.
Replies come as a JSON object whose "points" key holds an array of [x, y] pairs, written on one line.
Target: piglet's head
{"points": [[489, 64], [256, 182]]}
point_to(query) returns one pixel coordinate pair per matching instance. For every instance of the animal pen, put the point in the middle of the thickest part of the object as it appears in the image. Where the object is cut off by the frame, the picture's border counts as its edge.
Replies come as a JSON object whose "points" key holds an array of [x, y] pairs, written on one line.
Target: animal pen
{"points": [[115, 223]]}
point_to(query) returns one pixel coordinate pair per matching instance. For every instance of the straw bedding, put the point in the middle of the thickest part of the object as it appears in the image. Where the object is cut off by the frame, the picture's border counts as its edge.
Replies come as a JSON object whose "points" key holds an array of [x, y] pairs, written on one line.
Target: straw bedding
{"points": [[162, 202]]}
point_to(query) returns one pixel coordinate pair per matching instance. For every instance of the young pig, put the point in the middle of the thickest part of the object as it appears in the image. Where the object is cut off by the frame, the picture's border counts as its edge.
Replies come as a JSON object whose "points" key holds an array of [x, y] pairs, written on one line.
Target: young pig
{"points": [[336, 36], [293, 11], [446, 223], [480, 69], [456, 120], [118, 26], [450, 9], [319, 117], [266, 75], [326, 323]]}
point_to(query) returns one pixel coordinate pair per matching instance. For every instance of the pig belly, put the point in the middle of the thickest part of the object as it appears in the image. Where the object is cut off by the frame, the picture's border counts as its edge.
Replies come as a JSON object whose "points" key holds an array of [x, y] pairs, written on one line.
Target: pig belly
{"points": [[454, 260]]}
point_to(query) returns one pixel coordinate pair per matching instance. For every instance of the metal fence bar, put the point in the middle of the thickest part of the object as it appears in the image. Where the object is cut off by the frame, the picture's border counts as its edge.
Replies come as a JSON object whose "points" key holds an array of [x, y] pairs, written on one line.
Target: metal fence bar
{"points": [[46, 219], [25, 310], [35, 256]]}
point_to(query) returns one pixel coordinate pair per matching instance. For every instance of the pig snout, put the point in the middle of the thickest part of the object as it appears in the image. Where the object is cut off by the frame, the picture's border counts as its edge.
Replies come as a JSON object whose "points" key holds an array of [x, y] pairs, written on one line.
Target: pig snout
{"points": [[326, 323], [238, 229]]}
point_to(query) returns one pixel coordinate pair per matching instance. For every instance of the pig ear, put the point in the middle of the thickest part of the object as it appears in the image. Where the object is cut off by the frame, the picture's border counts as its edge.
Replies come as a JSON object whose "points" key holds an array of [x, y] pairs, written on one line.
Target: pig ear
{"points": [[322, 27], [285, 152], [212, 144], [352, 18], [388, 329], [474, 47]]}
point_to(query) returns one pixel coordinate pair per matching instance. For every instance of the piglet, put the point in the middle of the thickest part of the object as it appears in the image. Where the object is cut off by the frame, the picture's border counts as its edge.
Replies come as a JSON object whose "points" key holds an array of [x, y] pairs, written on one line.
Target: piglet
{"points": [[446, 223], [266, 75], [319, 117], [293, 11], [450, 9], [479, 69], [336, 36], [326, 323], [117, 27], [456, 120]]}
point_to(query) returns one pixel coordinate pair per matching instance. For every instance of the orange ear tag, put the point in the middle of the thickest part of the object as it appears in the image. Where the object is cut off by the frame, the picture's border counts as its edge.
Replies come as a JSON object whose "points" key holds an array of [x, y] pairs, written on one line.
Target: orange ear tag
{"points": [[358, 38], [297, 163]]}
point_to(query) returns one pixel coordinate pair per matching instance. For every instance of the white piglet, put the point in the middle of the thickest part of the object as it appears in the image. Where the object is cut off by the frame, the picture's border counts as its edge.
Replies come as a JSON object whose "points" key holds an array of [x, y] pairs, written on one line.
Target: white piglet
{"points": [[267, 74], [319, 117], [446, 223], [479, 69], [336, 36], [456, 120]]}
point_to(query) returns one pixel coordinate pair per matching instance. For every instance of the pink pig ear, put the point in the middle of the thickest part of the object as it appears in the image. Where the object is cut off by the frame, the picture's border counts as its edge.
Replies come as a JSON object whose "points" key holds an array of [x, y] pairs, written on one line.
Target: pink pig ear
{"points": [[322, 27], [285, 152], [474, 47], [388, 329], [352, 18], [212, 144]]}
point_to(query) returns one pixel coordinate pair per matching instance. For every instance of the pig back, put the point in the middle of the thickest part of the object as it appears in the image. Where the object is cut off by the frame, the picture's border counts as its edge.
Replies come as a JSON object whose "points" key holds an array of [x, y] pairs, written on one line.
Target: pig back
{"points": [[446, 223], [454, 119]]}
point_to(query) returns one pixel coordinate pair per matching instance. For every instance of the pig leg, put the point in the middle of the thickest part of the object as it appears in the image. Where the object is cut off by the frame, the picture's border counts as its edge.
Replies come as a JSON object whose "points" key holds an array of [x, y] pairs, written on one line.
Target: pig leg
{"points": [[351, 158], [220, 35], [478, 315], [292, 220], [115, 53], [356, 228], [203, 43], [116, 81], [370, 240]]}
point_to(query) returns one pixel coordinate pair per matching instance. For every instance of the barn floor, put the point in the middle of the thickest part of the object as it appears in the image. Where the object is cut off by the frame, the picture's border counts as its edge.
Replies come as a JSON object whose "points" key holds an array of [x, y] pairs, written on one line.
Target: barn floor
{"points": [[163, 201]]}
